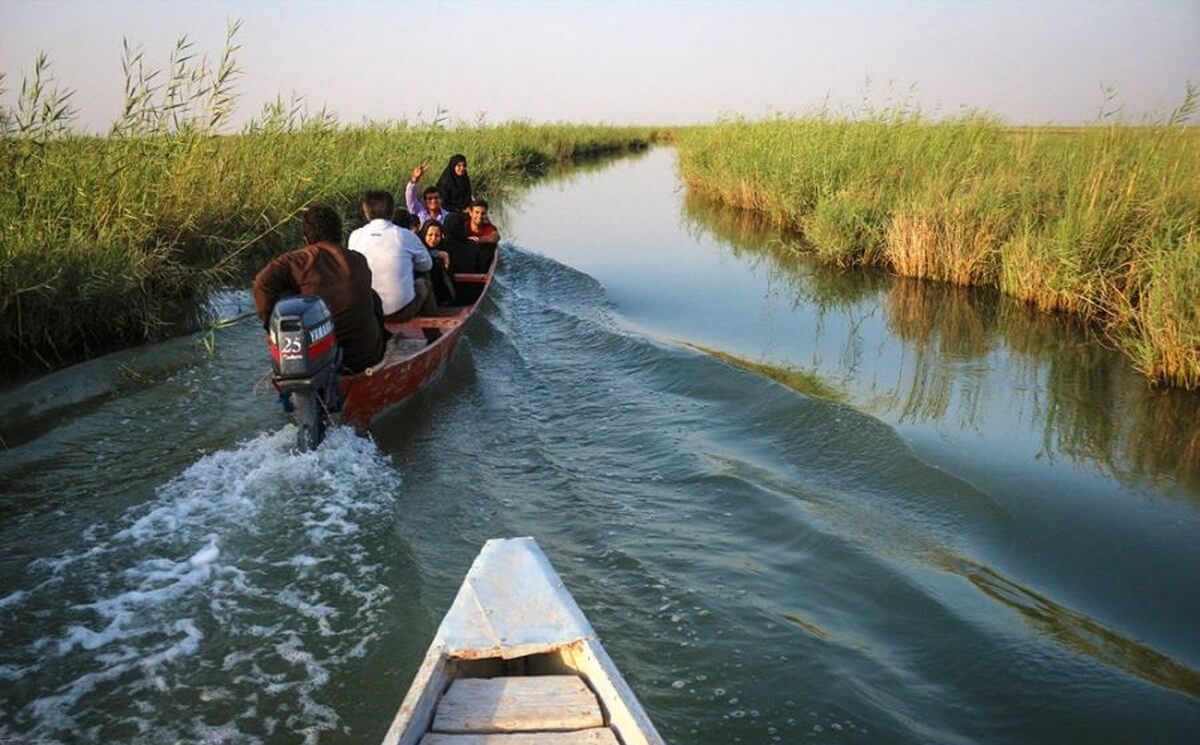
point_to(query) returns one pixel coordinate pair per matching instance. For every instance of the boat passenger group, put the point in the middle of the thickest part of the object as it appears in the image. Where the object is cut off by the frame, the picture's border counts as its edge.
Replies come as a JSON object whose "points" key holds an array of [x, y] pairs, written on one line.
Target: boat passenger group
{"points": [[395, 267]]}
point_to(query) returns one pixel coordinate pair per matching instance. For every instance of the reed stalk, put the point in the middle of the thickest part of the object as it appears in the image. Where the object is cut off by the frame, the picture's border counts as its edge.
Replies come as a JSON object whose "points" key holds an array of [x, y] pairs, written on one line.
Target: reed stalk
{"points": [[1099, 221], [115, 240]]}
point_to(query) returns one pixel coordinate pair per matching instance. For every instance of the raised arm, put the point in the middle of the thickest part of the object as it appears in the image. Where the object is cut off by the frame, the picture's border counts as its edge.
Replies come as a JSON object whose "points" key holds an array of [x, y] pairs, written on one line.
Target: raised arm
{"points": [[410, 189], [410, 197]]}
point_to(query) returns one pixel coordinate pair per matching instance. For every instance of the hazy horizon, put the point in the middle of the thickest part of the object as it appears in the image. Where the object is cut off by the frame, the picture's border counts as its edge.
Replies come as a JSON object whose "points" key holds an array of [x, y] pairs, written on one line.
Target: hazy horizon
{"points": [[662, 63]]}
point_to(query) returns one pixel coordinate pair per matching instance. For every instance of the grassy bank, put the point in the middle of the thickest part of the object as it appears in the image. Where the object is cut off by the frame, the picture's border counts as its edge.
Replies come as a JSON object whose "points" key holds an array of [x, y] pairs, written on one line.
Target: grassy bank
{"points": [[1103, 222], [968, 355], [113, 240]]}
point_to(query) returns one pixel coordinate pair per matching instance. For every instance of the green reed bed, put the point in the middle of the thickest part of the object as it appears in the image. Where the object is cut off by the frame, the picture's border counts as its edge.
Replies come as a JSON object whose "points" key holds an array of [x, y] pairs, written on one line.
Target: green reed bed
{"points": [[1100, 221], [116, 239]]}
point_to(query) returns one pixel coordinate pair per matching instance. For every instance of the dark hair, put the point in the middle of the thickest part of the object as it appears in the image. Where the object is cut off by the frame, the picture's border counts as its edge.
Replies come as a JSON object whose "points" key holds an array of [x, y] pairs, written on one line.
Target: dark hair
{"points": [[379, 205], [478, 202], [403, 218], [426, 227], [321, 223], [431, 190]]}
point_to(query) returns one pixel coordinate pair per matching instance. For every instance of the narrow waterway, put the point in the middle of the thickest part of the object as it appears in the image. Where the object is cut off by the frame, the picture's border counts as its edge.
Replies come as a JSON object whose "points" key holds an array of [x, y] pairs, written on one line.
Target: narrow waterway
{"points": [[798, 505]]}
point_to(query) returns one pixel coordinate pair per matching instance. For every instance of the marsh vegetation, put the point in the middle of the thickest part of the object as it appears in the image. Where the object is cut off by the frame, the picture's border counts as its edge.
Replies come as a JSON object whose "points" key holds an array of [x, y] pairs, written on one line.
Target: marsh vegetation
{"points": [[117, 239], [1102, 222]]}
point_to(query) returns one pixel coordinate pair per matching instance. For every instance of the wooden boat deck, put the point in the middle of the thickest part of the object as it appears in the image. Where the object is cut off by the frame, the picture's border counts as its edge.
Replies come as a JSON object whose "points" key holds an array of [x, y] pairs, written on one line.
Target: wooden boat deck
{"points": [[523, 710], [515, 662]]}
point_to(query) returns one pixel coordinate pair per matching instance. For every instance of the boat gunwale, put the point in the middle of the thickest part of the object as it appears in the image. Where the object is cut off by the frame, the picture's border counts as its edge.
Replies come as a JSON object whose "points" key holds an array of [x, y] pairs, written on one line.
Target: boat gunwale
{"points": [[440, 349], [469, 632]]}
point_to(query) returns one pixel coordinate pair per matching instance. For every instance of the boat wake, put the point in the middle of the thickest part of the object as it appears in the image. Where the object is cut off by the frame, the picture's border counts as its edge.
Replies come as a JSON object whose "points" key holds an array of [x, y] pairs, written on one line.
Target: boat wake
{"points": [[255, 570], [698, 502]]}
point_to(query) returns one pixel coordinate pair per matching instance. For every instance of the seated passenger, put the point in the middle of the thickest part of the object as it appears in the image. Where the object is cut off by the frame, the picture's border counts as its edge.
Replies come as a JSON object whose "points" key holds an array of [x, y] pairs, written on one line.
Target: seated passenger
{"points": [[340, 277], [393, 254], [464, 256], [455, 185], [481, 230], [430, 205], [406, 219], [443, 286], [464, 253]]}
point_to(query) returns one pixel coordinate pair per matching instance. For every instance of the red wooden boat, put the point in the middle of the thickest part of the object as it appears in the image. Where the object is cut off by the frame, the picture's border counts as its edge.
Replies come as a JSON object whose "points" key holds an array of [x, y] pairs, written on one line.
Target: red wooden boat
{"points": [[411, 361]]}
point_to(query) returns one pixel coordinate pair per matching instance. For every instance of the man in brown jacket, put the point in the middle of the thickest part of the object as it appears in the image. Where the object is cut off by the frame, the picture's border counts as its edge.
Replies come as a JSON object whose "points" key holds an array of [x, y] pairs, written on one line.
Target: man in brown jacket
{"points": [[340, 277]]}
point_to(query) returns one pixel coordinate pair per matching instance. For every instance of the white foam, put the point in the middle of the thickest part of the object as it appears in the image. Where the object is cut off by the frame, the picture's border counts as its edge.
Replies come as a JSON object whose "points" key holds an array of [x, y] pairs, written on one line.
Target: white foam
{"points": [[226, 547], [13, 599], [205, 556]]}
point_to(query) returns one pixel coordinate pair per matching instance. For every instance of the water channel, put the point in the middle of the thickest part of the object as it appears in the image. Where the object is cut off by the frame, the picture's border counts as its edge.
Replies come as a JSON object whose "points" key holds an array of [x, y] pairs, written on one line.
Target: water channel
{"points": [[798, 505]]}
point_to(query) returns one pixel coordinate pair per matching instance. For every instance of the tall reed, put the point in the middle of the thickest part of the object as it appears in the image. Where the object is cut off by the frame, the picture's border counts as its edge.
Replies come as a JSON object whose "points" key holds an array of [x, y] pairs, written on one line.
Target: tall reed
{"points": [[1099, 221], [113, 240]]}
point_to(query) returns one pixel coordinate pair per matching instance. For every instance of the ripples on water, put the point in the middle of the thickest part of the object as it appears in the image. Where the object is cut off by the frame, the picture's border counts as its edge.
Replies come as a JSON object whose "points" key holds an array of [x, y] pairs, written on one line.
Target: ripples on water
{"points": [[221, 606], [764, 566]]}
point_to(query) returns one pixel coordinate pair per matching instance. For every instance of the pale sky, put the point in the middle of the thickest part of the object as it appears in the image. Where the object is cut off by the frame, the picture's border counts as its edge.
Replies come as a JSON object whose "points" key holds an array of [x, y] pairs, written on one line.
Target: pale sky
{"points": [[642, 62]]}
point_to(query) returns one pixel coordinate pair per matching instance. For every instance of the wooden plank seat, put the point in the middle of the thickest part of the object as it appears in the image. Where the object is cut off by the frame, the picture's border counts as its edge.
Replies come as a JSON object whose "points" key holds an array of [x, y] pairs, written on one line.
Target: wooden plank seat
{"points": [[535, 703], [446, 318], [513, 619], [596, 736]]}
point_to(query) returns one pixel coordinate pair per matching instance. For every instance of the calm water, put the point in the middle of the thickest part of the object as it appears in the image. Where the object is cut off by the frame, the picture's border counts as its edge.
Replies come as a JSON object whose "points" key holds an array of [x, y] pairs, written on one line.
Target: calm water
{"points": [[952, 521]]}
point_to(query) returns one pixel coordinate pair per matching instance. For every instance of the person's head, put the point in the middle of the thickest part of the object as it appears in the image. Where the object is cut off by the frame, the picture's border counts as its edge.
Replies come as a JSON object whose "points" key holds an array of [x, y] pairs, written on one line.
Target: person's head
{"points": [[431, 234], [321, 223], [378, 205], [458, 164], [478, 210], [405, 219], [432, 199], [455, 226]]}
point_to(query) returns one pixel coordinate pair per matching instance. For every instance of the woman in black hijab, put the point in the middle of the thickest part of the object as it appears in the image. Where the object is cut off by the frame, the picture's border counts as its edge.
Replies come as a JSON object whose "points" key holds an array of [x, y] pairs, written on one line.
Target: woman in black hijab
{"points": [[443, 286], [464, 255], [455, 185]]}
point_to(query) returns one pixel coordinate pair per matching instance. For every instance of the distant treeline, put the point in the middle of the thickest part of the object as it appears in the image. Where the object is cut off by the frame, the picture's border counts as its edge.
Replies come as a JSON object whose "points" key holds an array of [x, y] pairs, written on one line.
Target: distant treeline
{"points": [[113, 240], [1101, 221]]}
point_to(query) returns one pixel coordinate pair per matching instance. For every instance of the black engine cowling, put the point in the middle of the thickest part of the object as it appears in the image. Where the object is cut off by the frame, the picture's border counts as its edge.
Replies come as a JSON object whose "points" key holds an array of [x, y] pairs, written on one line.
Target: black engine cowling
{"points": [[305, 358]]}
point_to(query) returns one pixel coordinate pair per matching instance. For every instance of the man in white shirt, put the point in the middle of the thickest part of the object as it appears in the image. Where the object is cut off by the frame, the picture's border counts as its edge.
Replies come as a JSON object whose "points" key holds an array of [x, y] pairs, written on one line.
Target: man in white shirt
{"points": [[393, 253]]}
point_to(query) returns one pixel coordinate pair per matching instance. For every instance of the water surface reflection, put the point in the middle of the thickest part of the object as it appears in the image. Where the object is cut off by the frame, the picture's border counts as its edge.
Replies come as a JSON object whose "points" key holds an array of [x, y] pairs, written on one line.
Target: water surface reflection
{"points": [[970, 357]]}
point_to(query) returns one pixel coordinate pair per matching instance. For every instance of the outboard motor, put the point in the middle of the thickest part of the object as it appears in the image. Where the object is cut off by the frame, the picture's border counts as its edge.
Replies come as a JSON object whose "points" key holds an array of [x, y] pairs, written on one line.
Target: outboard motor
{"points": [[305, 358]]}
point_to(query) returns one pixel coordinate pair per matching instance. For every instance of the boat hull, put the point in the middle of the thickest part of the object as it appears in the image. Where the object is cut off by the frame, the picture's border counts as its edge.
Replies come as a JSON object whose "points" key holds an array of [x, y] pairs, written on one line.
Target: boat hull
{"points": [[513, 620], [365, 397], [402, 373]]}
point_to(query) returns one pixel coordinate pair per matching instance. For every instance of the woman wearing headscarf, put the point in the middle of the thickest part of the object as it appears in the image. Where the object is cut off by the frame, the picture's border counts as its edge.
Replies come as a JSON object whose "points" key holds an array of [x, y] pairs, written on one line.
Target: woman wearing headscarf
{"points": [[464, 255], [443, 286], [455, 185]]}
